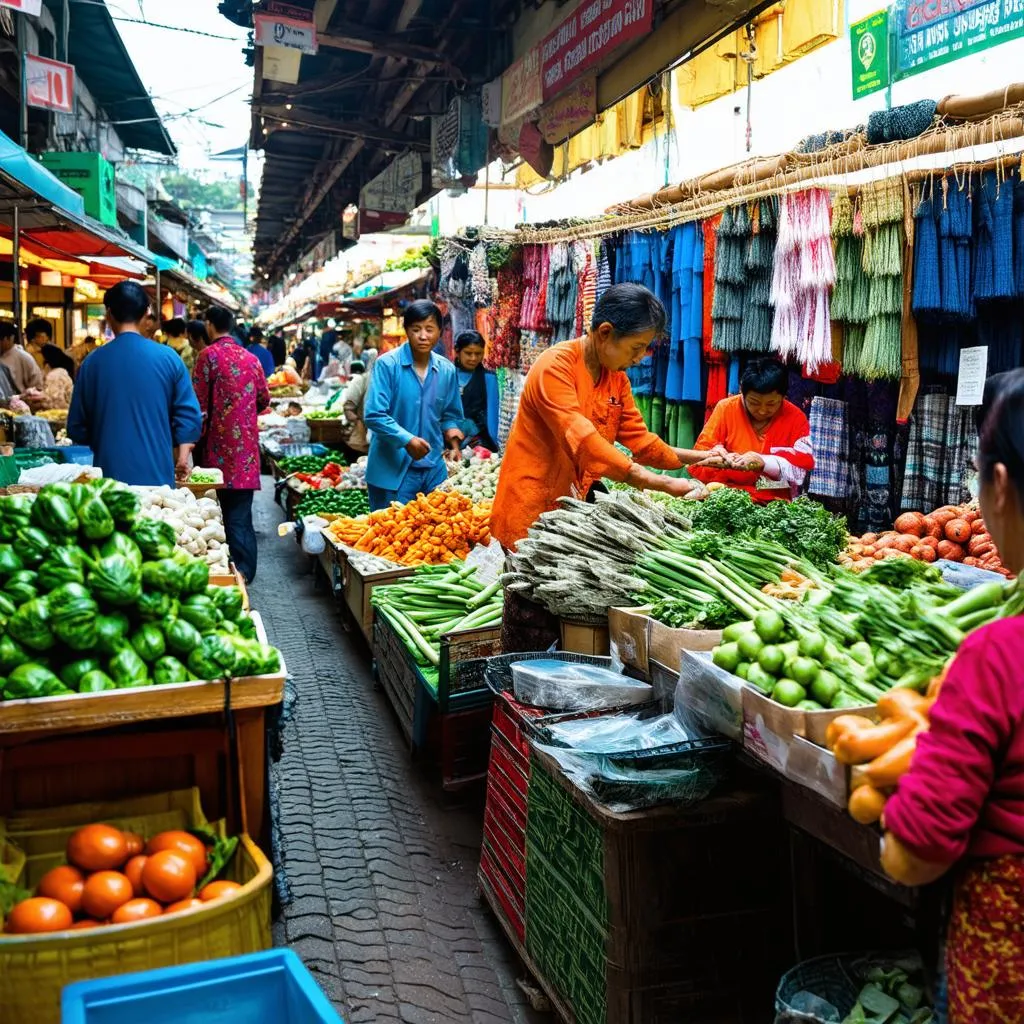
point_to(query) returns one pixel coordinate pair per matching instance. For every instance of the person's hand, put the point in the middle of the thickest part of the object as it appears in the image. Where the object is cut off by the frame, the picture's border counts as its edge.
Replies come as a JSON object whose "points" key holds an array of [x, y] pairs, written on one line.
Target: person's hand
{"points": [[690, 490], [716, 458], [749, 462], [183, 465], [454, 437], [417, 449], [453, 455]]}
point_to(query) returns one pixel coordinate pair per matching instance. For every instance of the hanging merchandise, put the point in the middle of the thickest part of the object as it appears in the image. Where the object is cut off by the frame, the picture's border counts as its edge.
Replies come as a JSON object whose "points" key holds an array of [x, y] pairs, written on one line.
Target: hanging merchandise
{"points": [[503, 351], [510, 388], [480, 276], [993, 238], [683, 371], [850, 295], [830, 440], [803, 275], [756, 327], [1018, 234], [943, 435], [730, 278], [588, 289], [717, 362], [536, 263], [562, 291]]}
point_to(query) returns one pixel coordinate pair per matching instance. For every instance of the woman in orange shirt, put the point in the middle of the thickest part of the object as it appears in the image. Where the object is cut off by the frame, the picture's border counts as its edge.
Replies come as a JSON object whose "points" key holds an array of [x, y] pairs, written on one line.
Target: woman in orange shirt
{"points": [[577, 402], [765, 439]]}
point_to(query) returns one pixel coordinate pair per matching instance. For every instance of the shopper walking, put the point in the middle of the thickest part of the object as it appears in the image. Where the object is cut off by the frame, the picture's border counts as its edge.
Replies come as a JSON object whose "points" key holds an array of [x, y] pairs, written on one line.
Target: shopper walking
{"points": [[232, 392], [133, 402], [413, 411], [960, 807], [354, 402], [176, 337], [197, 336], [24, 370], [259, 346]]}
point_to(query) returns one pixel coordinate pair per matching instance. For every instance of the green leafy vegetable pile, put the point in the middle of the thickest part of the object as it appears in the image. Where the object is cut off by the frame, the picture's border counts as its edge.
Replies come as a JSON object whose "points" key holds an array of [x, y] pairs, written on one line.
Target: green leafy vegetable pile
{"points": [[309, 463], [804, 527], [891, 996], [351, 502], [95, 598]]}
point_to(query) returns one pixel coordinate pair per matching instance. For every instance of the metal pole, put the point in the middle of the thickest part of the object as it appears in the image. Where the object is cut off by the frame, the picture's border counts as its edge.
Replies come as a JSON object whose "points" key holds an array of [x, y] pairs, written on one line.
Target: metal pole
{"points": [[245, 188], [23, 59], [159, 304], [16, 274], [487, 189]]}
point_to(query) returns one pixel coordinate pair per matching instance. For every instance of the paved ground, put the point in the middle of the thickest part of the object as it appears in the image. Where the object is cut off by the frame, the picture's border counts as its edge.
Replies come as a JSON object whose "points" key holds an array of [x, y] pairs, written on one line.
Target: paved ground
{"points": [[380, 868]]}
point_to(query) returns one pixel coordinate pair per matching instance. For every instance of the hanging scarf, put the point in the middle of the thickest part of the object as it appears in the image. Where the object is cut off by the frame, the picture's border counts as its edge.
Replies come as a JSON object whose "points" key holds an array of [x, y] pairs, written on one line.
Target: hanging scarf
{"points": [[717, 362], [993, 238]]}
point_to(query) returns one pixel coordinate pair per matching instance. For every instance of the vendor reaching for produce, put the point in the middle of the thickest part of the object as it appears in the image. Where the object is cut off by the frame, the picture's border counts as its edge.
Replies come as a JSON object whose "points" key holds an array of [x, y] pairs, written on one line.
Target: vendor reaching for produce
{"points": [[412, 411], [576, 404], [759, 442], [960, 804]]}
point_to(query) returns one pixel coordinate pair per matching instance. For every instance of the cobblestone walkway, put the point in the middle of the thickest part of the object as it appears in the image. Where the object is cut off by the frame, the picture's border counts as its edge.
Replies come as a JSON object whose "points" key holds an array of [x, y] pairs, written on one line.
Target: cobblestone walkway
{"points": [[382, 873]]}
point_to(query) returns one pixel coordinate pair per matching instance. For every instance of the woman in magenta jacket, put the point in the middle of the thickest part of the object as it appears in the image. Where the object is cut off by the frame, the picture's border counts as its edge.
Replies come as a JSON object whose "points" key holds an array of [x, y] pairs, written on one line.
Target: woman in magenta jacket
{"points": [[961, 805]]}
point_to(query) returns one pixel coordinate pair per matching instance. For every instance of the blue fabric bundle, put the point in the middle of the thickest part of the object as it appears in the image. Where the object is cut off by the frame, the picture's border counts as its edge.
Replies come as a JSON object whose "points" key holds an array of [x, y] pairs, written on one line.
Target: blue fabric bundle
{"points": [[993, 239], [927, 296], [1018, 236], [683, 379], [955, 230], [906, 122]]}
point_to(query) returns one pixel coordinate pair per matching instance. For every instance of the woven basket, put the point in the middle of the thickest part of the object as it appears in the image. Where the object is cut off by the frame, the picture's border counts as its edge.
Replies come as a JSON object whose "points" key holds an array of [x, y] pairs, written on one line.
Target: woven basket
{"points": [[34, 968]]}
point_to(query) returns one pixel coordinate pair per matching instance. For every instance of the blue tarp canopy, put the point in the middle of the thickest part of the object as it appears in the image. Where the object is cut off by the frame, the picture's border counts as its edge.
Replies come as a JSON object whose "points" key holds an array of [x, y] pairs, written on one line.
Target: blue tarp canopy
{"points": [[36, 180]]}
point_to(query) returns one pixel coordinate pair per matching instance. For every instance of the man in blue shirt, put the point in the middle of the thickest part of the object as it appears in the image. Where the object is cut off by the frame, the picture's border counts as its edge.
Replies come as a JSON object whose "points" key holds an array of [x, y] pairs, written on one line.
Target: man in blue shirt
{"points": [[412, 411], [133, 402], [260, 348]]}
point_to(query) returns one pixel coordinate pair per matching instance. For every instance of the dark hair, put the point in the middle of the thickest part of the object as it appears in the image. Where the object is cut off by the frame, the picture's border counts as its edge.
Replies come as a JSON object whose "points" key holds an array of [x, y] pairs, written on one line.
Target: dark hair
{"points": [[39, 327], [175, 327], [196, 330], [467, 338], [765, 376], [8, 329], [1002, 439], [58, 360], [630, 309], [420, 310], [255, 334], [222, 319], [995, 386], [126, 302]]}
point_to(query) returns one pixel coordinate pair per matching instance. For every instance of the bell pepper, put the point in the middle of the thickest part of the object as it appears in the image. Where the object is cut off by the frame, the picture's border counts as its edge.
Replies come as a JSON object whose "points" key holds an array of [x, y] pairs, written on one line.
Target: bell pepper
{"points": [[12, 654], [33, 545], [148, 642], [73, 615], [116, 581], [10, 562], [30, 680], [182, 637], [123, 505], [228, 601], [214, 658], [246, 627], [201, 612], [164, 575], [54, 513], [121, 544], [154, 605], [30, 625], [96, 682], [62, 565], [94, 519], [22, 587], [156, 539], [127, 669], [195, 578], [7, 607], [169, 670], [73, 673], [111, 632]]}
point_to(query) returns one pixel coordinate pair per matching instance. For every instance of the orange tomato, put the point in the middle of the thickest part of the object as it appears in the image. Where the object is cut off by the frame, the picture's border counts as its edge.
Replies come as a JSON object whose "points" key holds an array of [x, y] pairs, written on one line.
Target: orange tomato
{"points": [[136, 910], [133, 872], [104, 892], [217, 890], [86, 922], [135, 843], [184, 843], [189, 904], [97, 848], [38, 914], [168, 876], [65, 884]]}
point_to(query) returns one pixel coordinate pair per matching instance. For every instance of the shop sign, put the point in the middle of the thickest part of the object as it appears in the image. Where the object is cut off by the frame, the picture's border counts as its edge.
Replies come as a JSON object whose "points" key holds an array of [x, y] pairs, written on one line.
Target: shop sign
{"points": [[281, 65], [521, 87], [33, 7], [587, 36], [396, 188], [569, 113], [323, 252], [291, 33], [490, 103], [869, 52], [49, 84], [930, 33]]}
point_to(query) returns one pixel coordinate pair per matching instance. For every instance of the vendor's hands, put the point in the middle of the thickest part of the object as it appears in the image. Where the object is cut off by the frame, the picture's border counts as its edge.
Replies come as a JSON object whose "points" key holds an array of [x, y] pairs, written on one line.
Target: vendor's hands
{"points": [[750, 462], [690, 490], [418, 449], [183, 465]]}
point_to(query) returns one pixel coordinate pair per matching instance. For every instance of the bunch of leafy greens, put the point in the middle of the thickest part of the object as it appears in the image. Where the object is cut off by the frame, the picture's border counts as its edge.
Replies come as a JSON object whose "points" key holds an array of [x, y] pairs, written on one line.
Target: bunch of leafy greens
{"points": [[804, 527], [682, 614], [890, 996]]}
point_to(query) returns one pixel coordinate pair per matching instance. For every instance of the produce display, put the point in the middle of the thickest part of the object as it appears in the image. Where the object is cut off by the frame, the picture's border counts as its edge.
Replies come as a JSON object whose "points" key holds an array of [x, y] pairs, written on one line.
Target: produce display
{"points": [[309, 463], [206, 476], [351, 502], [436, 601], [894, 625], [198, 523], [98, 597], [432, 529], [336, 413], [285, 377], [115, 877], [881, 749], [477, 476], [956, 533]]}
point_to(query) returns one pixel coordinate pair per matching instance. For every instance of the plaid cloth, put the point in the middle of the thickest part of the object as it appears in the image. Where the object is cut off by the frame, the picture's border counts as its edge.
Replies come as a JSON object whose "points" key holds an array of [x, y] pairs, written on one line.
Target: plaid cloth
{"points": [[510, 387], [830, 439], [961, 444], [943, 439]]}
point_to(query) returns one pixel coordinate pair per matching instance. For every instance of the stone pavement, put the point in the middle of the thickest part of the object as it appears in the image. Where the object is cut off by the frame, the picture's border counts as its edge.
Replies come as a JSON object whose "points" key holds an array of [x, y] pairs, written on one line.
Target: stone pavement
{"points": [[380, 868]]}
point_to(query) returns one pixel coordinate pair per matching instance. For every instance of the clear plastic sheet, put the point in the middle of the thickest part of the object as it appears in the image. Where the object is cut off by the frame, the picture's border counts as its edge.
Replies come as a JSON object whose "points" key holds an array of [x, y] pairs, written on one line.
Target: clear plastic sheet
{"points": [[32, 432], [965, 576], [618, 734], [562, 686], [707, 698]]}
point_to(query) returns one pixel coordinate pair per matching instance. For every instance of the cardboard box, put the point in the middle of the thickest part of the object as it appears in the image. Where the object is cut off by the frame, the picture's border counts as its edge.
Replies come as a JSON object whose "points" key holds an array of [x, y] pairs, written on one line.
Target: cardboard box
{"points": [[709, 696], [581, 638], [639, 640], [359, 588], [627, 634], [817, 769], [665, 644]]}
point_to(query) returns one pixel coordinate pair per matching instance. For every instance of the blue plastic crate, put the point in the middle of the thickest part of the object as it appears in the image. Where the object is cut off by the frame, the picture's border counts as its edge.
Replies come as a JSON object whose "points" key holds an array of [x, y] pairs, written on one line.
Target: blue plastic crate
{"points": [[262, 988]]}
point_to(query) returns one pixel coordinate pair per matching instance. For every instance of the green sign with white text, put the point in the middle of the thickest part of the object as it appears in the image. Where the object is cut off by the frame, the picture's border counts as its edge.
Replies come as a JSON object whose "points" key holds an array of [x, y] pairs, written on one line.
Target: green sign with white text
{"points": [[869, 54]]}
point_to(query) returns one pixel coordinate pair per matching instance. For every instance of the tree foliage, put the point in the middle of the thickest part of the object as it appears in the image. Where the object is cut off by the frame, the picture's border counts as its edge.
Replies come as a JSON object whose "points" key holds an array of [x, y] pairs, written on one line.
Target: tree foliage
{"points": [[193, 194]]}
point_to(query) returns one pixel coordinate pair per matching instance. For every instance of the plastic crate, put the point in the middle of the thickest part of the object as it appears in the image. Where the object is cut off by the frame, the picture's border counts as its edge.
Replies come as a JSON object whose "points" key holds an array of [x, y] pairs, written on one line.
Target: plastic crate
{"points": [[262, 988]]}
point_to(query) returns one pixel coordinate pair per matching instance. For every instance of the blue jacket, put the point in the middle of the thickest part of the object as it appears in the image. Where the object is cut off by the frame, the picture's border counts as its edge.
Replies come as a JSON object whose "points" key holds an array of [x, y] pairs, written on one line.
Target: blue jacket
{"points": [[400, 407], [133, 403], [263, 355]]}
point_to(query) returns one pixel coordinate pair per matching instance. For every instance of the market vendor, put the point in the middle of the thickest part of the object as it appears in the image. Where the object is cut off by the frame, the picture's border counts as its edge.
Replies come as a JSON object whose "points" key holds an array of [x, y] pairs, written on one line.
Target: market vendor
{"points": [[576, 403], [960, 806], [757, 441], [479, 390], [412, 411]]}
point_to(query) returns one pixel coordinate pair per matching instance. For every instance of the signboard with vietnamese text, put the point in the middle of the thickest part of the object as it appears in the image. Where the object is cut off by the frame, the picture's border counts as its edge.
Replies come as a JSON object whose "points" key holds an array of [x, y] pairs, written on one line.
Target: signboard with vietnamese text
{"points": [[588, 36], [291, 33], [33, 7], [570, 112], [521, 91], [930, 33], [49, 84], [869, 54]]}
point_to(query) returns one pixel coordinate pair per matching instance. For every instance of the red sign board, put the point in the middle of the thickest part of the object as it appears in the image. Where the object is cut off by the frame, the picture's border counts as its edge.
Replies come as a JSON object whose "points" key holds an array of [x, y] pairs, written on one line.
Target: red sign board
{"points": [[33, 7], [593, 31], [49, 84]]}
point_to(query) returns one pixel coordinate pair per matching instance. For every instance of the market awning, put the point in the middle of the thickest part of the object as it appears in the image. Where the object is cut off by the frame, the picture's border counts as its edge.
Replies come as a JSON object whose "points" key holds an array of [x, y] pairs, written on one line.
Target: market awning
{"points": [[19, 169]]}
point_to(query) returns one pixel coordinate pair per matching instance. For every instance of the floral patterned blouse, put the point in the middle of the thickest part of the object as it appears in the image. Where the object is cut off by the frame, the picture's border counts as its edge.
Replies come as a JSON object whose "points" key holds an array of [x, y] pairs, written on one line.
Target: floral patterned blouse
{"points": [[232, 392]]}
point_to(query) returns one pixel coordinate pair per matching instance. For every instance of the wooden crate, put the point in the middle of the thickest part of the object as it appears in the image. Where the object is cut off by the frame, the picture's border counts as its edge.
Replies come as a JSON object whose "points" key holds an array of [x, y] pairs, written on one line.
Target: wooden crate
{"points": [[358, 588], [398, 676], [329, 432]]}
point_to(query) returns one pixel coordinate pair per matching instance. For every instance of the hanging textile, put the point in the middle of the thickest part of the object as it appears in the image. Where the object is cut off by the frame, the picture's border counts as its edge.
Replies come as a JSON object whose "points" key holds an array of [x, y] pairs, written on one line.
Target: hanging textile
{"points": [[531, 345], [1018, 235], [803, 275], [883, 210], [683, 365], [717, 362], [510, 388], [562, 290], [910, 374], [993, 238], [480, 276], [536, 260], [503, 350], [830, 440], [922, 477], [730, 279], [871, 407], [756, 319]]}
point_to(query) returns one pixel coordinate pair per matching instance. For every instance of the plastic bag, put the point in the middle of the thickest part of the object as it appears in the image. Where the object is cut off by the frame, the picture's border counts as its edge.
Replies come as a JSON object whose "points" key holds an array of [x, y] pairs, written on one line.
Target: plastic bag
{"points": [[563, 686], [298, 429], [708, 698], [313, 542], [32, 432], [618, 733], [489, 560], [966, 576]]}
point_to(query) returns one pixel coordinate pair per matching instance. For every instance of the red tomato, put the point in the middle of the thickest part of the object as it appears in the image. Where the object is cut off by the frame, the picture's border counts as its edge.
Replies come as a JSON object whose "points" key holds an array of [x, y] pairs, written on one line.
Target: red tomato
{"points": [[38, 914], [97, 848], [136, 910], [133, 872], [65, 884], [104, 892], [217, 890], [134, 842], [168, 876], [184, 843], [189, 904]]}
